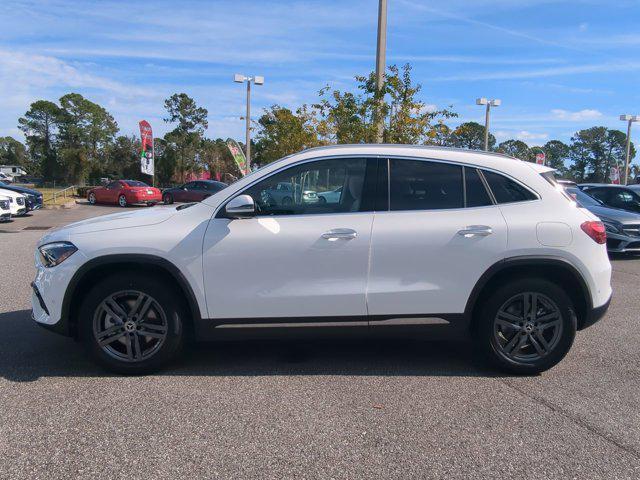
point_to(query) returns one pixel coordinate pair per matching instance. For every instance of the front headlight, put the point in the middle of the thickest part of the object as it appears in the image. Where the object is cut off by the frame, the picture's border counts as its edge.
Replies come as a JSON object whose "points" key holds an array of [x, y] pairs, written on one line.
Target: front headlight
{"points": [[613, 227], [53, 254]]}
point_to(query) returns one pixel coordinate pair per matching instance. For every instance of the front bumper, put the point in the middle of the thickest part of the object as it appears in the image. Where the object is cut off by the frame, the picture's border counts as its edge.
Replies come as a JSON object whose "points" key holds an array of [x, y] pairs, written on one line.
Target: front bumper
{"points": [[620, 243], [5, 217]]}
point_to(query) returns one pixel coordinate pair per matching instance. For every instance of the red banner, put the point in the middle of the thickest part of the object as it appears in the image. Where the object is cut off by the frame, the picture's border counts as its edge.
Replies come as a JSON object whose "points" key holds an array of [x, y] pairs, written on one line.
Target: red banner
{"points": [[146, 156]]}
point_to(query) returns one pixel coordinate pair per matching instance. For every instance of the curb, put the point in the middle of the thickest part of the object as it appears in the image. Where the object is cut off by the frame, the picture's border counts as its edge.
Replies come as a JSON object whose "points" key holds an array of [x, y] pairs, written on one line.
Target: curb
{"points": [[66, 206]]}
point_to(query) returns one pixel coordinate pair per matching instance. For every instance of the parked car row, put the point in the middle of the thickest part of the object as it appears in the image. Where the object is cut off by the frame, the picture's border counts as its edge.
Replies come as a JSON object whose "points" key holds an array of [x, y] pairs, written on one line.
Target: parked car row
{"points": [[16, 201], [135, 192]]}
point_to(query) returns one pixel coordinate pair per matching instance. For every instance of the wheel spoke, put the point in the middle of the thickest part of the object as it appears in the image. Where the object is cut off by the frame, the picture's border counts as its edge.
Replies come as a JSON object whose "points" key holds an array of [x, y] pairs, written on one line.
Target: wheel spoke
{"points": [[534, 305], [539, 348], [153, 326], [112, 339], [547, 317], [511, 345], [543, 341], [508, 317], [526, 304], [148, 333], [136, 343], [114, 310], [129, 347]]}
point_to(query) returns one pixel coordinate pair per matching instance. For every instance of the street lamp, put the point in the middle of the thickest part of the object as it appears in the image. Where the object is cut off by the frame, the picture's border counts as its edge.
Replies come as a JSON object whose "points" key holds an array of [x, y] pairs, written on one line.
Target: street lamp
{"points": [[381, 53], [630, 119], [489, 103], [238, 78]]}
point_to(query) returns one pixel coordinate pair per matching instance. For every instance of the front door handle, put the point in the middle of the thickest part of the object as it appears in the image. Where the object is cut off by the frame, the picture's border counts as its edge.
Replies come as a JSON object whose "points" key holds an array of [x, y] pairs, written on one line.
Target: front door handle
{"points": [[340, 233], [475, 231]]}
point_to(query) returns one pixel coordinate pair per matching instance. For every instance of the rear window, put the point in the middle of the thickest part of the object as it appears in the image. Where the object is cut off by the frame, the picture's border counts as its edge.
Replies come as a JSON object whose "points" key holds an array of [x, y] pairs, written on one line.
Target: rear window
{"points": [[135, 183], [506, 190]]}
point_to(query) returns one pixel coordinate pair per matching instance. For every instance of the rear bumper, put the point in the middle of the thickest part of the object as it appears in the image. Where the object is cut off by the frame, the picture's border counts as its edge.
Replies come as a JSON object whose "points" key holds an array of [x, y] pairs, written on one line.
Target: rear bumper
{"points": [[595, 314]]}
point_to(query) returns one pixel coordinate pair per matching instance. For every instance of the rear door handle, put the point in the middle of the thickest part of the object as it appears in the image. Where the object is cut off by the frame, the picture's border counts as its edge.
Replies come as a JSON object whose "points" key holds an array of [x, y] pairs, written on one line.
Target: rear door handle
{"points": [[340, 233], [475, 231]]}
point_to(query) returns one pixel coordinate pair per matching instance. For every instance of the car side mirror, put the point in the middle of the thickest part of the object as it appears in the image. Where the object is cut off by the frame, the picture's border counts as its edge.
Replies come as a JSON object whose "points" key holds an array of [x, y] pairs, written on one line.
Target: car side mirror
{"points": [[241, 206]]}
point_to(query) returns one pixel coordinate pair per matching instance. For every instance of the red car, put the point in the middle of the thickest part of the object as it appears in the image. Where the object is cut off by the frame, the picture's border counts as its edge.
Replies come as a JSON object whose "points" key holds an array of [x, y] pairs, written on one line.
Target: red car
{"points": [[125, 192]]}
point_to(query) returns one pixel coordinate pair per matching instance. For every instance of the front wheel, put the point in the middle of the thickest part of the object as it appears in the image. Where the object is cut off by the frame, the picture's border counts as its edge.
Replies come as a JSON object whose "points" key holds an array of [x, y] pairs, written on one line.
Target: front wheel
{"points": [[132, 324], [92, 198], [526, 326], [122, 201]]}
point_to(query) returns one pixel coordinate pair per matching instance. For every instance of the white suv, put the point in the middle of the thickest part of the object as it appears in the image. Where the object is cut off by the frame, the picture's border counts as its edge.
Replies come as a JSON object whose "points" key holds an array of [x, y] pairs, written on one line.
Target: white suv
{"points": [[418, 240]]}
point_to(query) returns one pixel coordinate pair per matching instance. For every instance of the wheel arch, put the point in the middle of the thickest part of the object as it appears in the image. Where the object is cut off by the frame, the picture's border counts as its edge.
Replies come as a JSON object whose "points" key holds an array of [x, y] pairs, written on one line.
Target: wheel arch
{"points": [[99, 267], [556, 269]]}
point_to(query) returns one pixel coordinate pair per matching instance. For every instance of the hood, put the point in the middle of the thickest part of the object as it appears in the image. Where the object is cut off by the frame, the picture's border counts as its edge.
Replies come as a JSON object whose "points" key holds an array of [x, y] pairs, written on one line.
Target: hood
{"points": [[134, 218], [616, 214], [24, 190], [10, 193]]}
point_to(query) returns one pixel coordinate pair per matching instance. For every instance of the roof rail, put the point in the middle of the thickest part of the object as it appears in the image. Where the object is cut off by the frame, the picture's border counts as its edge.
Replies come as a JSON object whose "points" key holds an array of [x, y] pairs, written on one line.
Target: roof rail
{"points": [[417, 147]]}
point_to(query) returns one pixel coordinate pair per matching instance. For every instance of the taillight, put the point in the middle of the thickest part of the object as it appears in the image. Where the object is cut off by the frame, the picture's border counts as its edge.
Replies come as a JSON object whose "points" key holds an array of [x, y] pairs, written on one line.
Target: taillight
{"points": [[596, 231]]}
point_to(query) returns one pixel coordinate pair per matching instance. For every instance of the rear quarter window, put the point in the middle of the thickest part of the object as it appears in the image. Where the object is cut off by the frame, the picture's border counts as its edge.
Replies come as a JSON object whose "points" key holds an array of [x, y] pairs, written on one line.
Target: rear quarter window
{"points": [[506, 190]]}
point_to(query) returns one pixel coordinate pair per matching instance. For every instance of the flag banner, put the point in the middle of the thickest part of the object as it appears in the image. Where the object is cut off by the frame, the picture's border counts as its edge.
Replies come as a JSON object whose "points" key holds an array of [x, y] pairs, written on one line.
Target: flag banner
{"points": [[540, 158], [615, 175], [238, 155], [146, 155]]}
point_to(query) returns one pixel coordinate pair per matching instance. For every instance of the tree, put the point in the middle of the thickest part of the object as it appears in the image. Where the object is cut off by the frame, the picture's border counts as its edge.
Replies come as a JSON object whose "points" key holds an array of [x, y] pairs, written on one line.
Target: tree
{"points": [[471, 135], [86, 132], [283, 132], [12, 152], [557, 153], [594, 151], [185, 139], [217, 158], [345, 117], [40, 127], [123, 158], [517, 149]]}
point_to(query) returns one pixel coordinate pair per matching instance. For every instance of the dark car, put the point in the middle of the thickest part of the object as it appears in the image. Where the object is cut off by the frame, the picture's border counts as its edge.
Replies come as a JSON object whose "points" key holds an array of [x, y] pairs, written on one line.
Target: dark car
{"points": [[626, 197], [195, 191], [34, 197], [623, 227]]}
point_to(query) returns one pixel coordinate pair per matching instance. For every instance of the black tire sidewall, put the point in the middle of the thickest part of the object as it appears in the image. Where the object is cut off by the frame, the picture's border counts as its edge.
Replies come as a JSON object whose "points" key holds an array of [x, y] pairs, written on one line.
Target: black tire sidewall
{"points": [[173, 307], [484, 332], [167, 199]]}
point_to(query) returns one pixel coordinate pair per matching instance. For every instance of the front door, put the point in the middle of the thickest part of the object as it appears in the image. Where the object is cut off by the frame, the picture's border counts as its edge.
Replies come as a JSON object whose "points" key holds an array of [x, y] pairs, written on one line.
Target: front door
{"points": [[440, 234], [302, 260]]}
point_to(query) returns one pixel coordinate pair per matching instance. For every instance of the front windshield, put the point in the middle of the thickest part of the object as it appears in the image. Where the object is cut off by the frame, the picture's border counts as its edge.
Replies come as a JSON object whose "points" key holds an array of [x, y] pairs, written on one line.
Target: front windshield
{"points": [[582, 198]]}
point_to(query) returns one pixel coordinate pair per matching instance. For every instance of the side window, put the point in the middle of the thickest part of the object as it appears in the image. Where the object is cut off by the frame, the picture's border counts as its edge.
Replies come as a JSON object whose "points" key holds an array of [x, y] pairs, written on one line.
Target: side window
{"points": [[424, 185], [476, 193], [599, 193], [621, 199], [190, 185], [310, 188], [506, 190], [113, 185]]}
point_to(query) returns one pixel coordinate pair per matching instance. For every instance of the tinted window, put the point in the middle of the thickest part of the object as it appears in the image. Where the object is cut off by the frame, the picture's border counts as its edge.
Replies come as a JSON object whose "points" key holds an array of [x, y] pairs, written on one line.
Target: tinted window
{"points": [[324, 186], [214, 186], [113, 185], [477, 195], [622, 199], [190, 186], [420, 185], [506, 190], [600, 193], [135, 183], [582, 198]]}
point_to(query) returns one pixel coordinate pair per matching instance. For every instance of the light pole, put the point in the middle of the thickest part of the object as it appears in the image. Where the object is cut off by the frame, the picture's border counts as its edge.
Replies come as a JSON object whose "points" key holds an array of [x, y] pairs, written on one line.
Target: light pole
{"points": [[489, 103], [238, 78], [381, 53], [630, 119]]}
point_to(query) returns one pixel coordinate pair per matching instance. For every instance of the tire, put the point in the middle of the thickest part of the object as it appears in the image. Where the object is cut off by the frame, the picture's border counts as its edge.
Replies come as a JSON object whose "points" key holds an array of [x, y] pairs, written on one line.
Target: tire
{"points": [[92, 198], [287, 201], [122, 201], [515, 342], [132, 345], [167, 198]]}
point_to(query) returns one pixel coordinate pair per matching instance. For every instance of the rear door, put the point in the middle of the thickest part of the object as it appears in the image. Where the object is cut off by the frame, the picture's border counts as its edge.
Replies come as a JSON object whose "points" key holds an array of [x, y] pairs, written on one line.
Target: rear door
{"points": [[438, 234]]}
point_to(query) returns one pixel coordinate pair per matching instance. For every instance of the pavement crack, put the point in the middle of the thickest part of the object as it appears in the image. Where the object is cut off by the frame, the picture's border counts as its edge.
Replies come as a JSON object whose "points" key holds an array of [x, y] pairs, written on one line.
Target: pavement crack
{"points": [[575, 419]]}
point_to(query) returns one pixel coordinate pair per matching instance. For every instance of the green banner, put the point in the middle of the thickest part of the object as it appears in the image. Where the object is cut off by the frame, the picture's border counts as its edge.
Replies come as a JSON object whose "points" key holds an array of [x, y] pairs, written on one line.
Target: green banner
{"points": [[238, 155]]}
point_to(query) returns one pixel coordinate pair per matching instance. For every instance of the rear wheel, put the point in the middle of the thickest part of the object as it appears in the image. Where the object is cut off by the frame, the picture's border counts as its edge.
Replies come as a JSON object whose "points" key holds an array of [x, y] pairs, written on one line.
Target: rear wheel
{"points": [[167, 198], [132, 326], [526, 326], [122, 201]]}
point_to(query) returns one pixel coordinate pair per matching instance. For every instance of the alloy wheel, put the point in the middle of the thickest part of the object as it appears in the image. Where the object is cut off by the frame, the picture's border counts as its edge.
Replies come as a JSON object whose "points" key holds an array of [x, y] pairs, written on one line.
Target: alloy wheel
{"points": [[122, 201], [130, 326], [527, 327]]}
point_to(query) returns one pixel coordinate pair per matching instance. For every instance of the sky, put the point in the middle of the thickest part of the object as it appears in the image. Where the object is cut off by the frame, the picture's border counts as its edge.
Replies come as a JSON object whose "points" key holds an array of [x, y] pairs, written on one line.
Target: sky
{"points": [[557, 66]]}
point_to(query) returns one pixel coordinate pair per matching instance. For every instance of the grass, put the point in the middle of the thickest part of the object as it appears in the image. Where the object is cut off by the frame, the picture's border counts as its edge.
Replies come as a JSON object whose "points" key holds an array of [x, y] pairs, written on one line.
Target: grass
{"points": [[47, 195]]}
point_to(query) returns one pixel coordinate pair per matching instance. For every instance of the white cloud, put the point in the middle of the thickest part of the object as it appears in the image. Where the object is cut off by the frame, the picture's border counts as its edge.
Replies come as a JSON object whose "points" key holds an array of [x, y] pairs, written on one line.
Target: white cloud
{"points": [[526, 136], [586, 114]]}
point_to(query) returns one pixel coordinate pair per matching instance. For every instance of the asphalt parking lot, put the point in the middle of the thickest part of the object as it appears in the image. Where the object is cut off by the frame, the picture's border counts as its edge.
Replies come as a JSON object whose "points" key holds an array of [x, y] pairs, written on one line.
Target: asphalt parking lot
{"points": [[349, 409]]}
